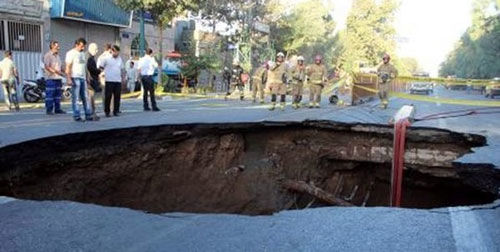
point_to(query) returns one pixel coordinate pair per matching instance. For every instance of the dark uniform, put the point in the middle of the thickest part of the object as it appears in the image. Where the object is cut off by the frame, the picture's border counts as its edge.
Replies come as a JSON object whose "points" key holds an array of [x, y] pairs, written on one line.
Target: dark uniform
{"points": [[236, 81], [227, 79]]}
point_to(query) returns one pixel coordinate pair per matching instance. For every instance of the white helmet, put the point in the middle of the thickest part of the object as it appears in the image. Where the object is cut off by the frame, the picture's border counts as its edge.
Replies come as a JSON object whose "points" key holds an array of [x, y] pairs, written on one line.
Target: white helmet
{"points": [[280, 54], [236, 62], [300, 58], [271, 64]]}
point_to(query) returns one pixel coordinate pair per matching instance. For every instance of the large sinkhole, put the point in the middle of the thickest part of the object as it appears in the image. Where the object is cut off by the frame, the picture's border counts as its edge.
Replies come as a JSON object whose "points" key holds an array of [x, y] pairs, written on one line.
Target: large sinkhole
{"points": [[246, 168]]}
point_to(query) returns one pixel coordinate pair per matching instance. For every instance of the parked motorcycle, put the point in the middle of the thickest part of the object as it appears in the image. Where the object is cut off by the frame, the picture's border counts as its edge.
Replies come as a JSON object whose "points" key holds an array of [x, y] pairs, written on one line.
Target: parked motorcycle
{"points": [[34, 90]]}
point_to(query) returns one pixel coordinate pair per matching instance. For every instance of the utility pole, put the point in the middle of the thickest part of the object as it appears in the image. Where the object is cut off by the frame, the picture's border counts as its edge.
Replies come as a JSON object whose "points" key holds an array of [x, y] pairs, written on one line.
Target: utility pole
{"points": [[142, 39]]}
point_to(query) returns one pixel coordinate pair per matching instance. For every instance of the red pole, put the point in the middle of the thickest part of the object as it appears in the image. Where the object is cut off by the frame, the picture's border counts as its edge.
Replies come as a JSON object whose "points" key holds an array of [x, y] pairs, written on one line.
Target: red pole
{"points": [[398, 161]]}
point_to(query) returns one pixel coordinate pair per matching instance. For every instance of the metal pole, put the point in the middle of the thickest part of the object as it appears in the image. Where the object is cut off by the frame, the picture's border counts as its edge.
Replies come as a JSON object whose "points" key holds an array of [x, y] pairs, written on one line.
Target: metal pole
{"points": [[142, 39]]}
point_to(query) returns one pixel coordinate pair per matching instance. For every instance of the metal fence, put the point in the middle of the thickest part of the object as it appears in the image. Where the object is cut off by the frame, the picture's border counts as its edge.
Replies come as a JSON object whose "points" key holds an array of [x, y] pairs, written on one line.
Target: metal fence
{"points": [[25, 42], [24, 37]]}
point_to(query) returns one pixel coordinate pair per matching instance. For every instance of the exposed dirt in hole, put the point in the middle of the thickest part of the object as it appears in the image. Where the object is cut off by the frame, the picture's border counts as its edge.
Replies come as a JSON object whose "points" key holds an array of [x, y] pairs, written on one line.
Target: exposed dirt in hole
{"points": [[239, 168]]}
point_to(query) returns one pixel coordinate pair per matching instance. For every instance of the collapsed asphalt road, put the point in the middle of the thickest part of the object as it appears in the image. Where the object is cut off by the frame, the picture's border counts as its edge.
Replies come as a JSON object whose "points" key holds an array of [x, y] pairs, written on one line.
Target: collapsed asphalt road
{"points": [[242, 168]]}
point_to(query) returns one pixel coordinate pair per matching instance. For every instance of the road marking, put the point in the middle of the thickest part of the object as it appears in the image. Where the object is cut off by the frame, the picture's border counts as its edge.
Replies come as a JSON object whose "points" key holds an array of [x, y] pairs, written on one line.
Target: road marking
{"points": [[466, 230]]}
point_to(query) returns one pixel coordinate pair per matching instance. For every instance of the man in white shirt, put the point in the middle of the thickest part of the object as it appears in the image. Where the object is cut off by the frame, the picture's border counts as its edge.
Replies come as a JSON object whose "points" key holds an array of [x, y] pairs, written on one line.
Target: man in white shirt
{"points": [[8, 73], [131, 76], [146, 69], [76, 72], [106, 53], [114, 74]]}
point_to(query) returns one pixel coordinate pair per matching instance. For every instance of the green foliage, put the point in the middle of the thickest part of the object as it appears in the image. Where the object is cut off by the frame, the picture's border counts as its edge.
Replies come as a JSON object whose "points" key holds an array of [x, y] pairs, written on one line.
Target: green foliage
{"points": [[477, 54], [306, 29], [161, 10], [369, 33], [410, 65], [194, 65]]}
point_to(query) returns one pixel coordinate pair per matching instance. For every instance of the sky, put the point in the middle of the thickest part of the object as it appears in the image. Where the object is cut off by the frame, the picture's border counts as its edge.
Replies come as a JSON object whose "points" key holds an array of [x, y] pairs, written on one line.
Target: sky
{"points": [[426, 29]]}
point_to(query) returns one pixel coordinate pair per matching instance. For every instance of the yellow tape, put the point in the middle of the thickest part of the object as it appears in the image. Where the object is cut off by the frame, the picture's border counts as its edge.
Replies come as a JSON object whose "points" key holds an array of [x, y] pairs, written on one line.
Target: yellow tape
{"points": [[437, 99], [447, 100], [474, 82], [367, 89]]}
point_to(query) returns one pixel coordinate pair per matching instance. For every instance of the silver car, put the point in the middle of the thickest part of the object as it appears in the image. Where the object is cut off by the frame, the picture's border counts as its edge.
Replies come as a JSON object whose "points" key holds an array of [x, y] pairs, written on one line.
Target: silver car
{"points": [[421, 88]]}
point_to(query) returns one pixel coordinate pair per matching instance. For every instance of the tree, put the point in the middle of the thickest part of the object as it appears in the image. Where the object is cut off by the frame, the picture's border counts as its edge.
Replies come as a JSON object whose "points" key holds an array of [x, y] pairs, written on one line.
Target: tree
{"points": [[410, 65], [369, 33], [162, 11], [477, 53], [306, 28]]}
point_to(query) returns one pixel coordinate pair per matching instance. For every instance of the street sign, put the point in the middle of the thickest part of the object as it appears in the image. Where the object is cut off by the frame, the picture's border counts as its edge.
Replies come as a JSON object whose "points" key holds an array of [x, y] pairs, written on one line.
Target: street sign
{"points": [[261, 27]]}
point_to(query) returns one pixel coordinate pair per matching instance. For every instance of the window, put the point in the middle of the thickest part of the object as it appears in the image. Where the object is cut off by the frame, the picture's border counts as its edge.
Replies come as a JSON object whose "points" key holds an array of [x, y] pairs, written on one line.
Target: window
{"points": [[2, 37], [24, 37]]}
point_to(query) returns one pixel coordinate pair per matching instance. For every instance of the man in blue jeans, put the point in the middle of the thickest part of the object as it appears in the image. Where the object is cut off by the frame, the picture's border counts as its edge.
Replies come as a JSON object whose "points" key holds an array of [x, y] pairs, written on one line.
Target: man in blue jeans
{"points": [[52, 67], [76, 70]]}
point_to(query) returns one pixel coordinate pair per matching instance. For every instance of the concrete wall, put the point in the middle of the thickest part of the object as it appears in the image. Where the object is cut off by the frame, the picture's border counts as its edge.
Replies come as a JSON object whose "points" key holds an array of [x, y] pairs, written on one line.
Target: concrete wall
{"points": [[32, 12], [67, 31]]}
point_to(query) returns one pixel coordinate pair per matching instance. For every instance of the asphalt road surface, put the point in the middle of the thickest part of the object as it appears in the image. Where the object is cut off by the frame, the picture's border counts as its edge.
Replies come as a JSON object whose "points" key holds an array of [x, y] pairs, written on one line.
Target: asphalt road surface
{"points": [[70, 226]]}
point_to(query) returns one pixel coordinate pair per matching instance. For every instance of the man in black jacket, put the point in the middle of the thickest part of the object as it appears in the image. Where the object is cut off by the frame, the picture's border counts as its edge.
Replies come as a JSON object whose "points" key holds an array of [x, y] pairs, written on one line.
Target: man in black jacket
{"points": [[93, 71], [236, 80]]}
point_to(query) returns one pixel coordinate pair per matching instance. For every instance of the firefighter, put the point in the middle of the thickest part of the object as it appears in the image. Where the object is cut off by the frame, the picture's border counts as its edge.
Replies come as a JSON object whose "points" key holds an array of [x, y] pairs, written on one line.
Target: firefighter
{"points": [[259, 80], [226, 76], [386, 73], [236, 80], [316, 74], [298, 74], [277, 78]]}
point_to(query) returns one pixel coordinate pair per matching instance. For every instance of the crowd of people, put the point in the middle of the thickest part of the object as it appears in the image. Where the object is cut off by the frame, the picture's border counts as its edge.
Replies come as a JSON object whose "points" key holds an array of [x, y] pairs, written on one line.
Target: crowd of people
{"points": [[91, 76], [276, 77], [280, 78]]}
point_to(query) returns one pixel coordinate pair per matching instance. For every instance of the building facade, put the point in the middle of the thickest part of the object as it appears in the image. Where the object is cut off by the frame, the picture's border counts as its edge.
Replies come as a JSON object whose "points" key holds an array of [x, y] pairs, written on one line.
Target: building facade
{"points": [[23, 28], [130, 37], [28, 26]]}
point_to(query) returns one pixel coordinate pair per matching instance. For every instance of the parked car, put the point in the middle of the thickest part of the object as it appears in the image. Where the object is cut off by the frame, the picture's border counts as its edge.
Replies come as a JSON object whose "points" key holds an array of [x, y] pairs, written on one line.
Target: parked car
{"points": [[493, 89], [481, 88], [421, 88], [453, 86]]}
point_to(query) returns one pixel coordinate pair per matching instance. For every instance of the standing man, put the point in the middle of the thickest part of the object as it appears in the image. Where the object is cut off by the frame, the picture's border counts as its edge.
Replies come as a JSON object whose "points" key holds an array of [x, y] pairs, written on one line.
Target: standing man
{"points": [[316, 74], [236, 80], [8, 77], [105, 54], [226, 76], [386, 73], [76, 70], [131, 76], [259, 80], [95, 88], [277, 78], [298, 74], [147, 66], [53, 89], [114, 73]]}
